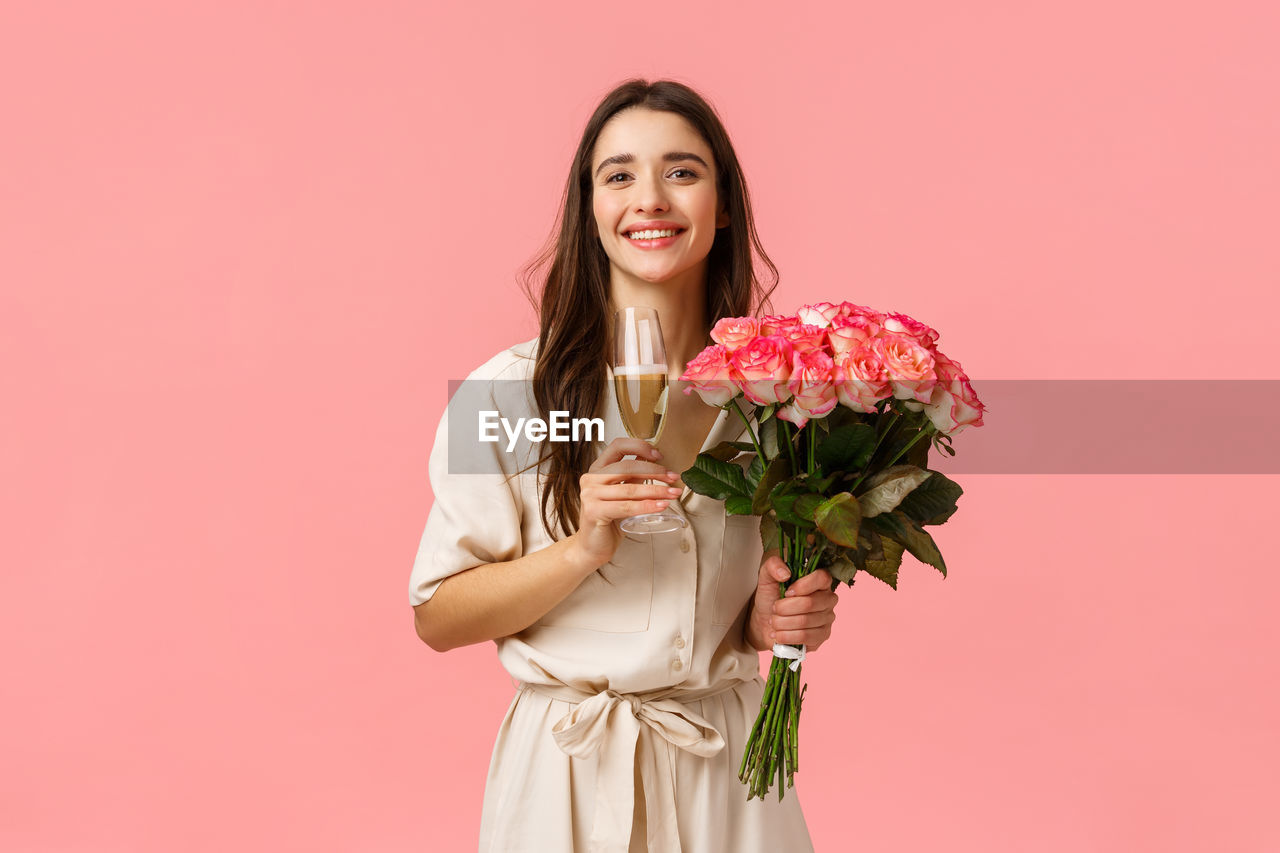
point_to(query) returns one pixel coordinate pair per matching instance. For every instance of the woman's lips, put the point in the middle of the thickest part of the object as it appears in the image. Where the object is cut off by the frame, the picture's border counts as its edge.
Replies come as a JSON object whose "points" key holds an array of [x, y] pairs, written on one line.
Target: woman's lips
{"points": [[656, 242]]}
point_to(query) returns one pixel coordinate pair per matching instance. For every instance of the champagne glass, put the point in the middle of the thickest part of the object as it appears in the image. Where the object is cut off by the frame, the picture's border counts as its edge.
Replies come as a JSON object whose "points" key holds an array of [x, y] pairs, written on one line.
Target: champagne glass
{"points": [[640, 385]]}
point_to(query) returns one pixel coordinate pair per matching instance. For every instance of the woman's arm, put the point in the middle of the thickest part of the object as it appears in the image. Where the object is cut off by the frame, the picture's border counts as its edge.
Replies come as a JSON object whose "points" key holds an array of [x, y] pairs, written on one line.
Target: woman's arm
{"points": [[495, 600], [498, 599]]}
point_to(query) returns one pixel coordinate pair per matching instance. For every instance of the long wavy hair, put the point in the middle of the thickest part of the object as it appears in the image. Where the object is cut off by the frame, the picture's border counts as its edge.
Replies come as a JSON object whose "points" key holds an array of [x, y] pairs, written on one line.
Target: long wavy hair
{"points": [[574, 331]]}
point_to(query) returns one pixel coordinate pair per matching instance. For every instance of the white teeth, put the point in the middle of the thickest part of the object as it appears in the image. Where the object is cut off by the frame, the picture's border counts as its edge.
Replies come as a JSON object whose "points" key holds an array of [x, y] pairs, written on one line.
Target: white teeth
{"points": [[651, 235]]}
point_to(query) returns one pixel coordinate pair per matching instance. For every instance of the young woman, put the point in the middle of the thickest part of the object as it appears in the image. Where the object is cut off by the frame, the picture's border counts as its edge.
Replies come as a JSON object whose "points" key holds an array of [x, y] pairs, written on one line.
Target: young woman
{"points": [[637, 656]]}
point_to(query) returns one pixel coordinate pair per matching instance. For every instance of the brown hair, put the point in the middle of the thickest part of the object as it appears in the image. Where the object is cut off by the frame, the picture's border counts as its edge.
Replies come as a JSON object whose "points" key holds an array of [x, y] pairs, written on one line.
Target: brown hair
{"points": [[573, 312]]}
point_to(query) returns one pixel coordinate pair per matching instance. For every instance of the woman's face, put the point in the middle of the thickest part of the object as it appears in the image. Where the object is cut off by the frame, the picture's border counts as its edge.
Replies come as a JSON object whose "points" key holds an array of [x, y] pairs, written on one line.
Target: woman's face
{"points": [[652, 171]]}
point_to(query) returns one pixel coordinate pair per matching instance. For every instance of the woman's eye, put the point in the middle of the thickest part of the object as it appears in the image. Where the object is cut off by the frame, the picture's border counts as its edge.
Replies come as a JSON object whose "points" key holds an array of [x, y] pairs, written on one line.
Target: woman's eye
{"points": [[688, 172]]}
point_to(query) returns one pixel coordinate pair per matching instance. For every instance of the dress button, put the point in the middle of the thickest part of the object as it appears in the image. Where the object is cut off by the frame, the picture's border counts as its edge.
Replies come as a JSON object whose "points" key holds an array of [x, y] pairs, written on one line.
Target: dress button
{"points": [[684, 545], [679, 642], [678, 665]]}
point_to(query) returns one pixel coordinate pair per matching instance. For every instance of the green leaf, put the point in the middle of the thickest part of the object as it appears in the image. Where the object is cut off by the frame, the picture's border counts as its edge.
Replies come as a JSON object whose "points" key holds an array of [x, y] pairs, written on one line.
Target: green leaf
{"points": [[933, 501], [889, 487], [845, 448], [807, 504], [908, 532], [779, 469], [715, 479], [870, 544], [769, 538], [784, 505], [769, 438], [766, 413], [885, 567], [737, 505], [843, 415], [821, 484], [918, 455], [843, 570], [838, 518], [726, 450], [755, 471]]}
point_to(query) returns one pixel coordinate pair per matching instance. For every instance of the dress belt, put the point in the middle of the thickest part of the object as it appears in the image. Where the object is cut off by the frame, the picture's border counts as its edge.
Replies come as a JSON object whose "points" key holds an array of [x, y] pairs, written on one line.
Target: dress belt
{"points": [[608, 723]]}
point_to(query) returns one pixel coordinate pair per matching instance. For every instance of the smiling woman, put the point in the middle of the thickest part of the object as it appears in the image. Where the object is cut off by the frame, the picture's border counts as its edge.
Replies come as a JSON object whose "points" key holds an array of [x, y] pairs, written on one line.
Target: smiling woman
{"points": [[661, 166], [637, 677]]}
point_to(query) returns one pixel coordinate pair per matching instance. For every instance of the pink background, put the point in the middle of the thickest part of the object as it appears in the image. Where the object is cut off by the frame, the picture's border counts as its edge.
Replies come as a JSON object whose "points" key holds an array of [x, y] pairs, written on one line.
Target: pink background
{"points": [[243, 247]]}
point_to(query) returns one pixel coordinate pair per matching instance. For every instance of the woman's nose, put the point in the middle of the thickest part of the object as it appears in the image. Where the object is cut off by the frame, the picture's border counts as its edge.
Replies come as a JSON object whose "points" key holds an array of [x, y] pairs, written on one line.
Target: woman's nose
{"points": [[651, 193]]}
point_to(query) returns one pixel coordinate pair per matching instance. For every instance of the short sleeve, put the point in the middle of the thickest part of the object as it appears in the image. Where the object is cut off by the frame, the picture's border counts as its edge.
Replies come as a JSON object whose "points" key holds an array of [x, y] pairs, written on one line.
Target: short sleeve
{"points": [[475, 516]]}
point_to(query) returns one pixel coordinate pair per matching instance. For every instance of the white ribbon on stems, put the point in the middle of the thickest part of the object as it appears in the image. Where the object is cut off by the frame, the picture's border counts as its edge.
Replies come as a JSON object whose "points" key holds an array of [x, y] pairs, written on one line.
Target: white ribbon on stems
{"points": [[791, 653]]}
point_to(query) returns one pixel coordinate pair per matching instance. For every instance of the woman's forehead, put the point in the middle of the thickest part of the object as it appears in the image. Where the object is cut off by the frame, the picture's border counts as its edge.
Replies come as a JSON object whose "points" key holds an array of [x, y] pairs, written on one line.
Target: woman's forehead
{"points": [[648, 133]]}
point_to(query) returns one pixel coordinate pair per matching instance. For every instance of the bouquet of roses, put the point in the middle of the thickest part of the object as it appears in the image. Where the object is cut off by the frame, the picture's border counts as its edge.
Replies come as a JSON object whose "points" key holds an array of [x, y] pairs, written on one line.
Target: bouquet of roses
{"points": [[840, 393]]}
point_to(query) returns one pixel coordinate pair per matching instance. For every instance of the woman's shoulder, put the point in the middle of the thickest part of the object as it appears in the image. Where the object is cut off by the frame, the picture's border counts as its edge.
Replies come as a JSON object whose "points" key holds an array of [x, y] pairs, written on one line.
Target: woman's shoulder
{"points": [[514, 362]]}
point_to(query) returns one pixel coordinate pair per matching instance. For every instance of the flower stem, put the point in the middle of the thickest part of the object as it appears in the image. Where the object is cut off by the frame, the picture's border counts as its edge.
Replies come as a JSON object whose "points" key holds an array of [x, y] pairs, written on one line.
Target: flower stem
{"points": [[785, 426], [890, 420], [924, 431], [755, 441]]}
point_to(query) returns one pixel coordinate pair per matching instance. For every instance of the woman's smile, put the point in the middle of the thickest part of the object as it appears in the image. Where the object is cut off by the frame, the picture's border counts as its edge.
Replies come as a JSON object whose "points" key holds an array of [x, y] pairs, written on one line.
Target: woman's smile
{"points": [[649, 239], [655, 190]]}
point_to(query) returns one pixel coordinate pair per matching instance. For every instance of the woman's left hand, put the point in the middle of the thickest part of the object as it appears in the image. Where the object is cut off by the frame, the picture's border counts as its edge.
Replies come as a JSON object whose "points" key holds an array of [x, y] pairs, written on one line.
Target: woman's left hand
{"points": [[803, 617]]}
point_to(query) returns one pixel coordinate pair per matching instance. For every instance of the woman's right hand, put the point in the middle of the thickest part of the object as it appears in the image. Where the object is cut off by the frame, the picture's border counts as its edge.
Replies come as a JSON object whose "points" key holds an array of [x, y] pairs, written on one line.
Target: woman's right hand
{"points": [[614, 488]]}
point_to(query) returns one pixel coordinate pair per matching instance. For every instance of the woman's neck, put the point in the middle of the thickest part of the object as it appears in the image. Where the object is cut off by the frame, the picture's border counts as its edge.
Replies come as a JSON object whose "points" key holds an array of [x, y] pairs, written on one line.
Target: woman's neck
{"points": [[681, 307]]}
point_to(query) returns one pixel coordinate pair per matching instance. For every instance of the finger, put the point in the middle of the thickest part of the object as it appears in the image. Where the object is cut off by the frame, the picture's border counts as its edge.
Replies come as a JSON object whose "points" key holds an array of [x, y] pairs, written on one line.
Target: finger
{"points": [[823, 601], [774, 567], [630, 492], [614, 510], [812, 582], [772, 572], [624, 446], [631, 469], [810, 639], [803, 622]]}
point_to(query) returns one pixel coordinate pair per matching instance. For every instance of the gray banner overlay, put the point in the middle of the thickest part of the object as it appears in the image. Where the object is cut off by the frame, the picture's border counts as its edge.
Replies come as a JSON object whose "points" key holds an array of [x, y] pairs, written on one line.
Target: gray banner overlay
{"points": [[1031, 426]]}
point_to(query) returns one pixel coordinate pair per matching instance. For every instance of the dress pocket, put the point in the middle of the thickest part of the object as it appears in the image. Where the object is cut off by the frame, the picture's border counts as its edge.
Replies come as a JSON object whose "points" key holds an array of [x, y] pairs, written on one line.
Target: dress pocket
{"points": [[740, 556], [616, 598]]}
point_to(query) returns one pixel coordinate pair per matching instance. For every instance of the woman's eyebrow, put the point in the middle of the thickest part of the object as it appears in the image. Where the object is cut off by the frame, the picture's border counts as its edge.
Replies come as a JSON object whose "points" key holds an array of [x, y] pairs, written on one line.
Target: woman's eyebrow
{"points": [[669, 157]]}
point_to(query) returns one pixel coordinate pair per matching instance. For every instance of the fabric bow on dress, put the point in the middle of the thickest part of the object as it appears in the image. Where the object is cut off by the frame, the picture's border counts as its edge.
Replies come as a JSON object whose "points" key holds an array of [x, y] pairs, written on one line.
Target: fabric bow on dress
{"points": [[608, 724]]}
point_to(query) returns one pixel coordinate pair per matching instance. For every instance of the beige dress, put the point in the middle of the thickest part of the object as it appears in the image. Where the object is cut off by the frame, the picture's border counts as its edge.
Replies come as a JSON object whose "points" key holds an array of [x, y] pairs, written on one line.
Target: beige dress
{"points": [[636, 692]]}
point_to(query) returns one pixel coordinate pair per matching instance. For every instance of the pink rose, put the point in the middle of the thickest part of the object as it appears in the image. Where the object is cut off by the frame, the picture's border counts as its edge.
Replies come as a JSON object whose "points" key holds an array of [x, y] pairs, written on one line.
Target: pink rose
{"points": [[908, 364], [848, 331], [762, 369], [711, 376], [848, 309], [805, 337], [772, 324], [735, 332], [904, 325], [812, 383], [954, 405], [818, 314], [860, 378]]}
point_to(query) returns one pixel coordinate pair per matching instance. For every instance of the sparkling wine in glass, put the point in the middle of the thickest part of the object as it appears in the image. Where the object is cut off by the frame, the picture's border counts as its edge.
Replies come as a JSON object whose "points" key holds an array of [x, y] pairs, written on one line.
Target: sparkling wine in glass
{"points": [[640, 385]]}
